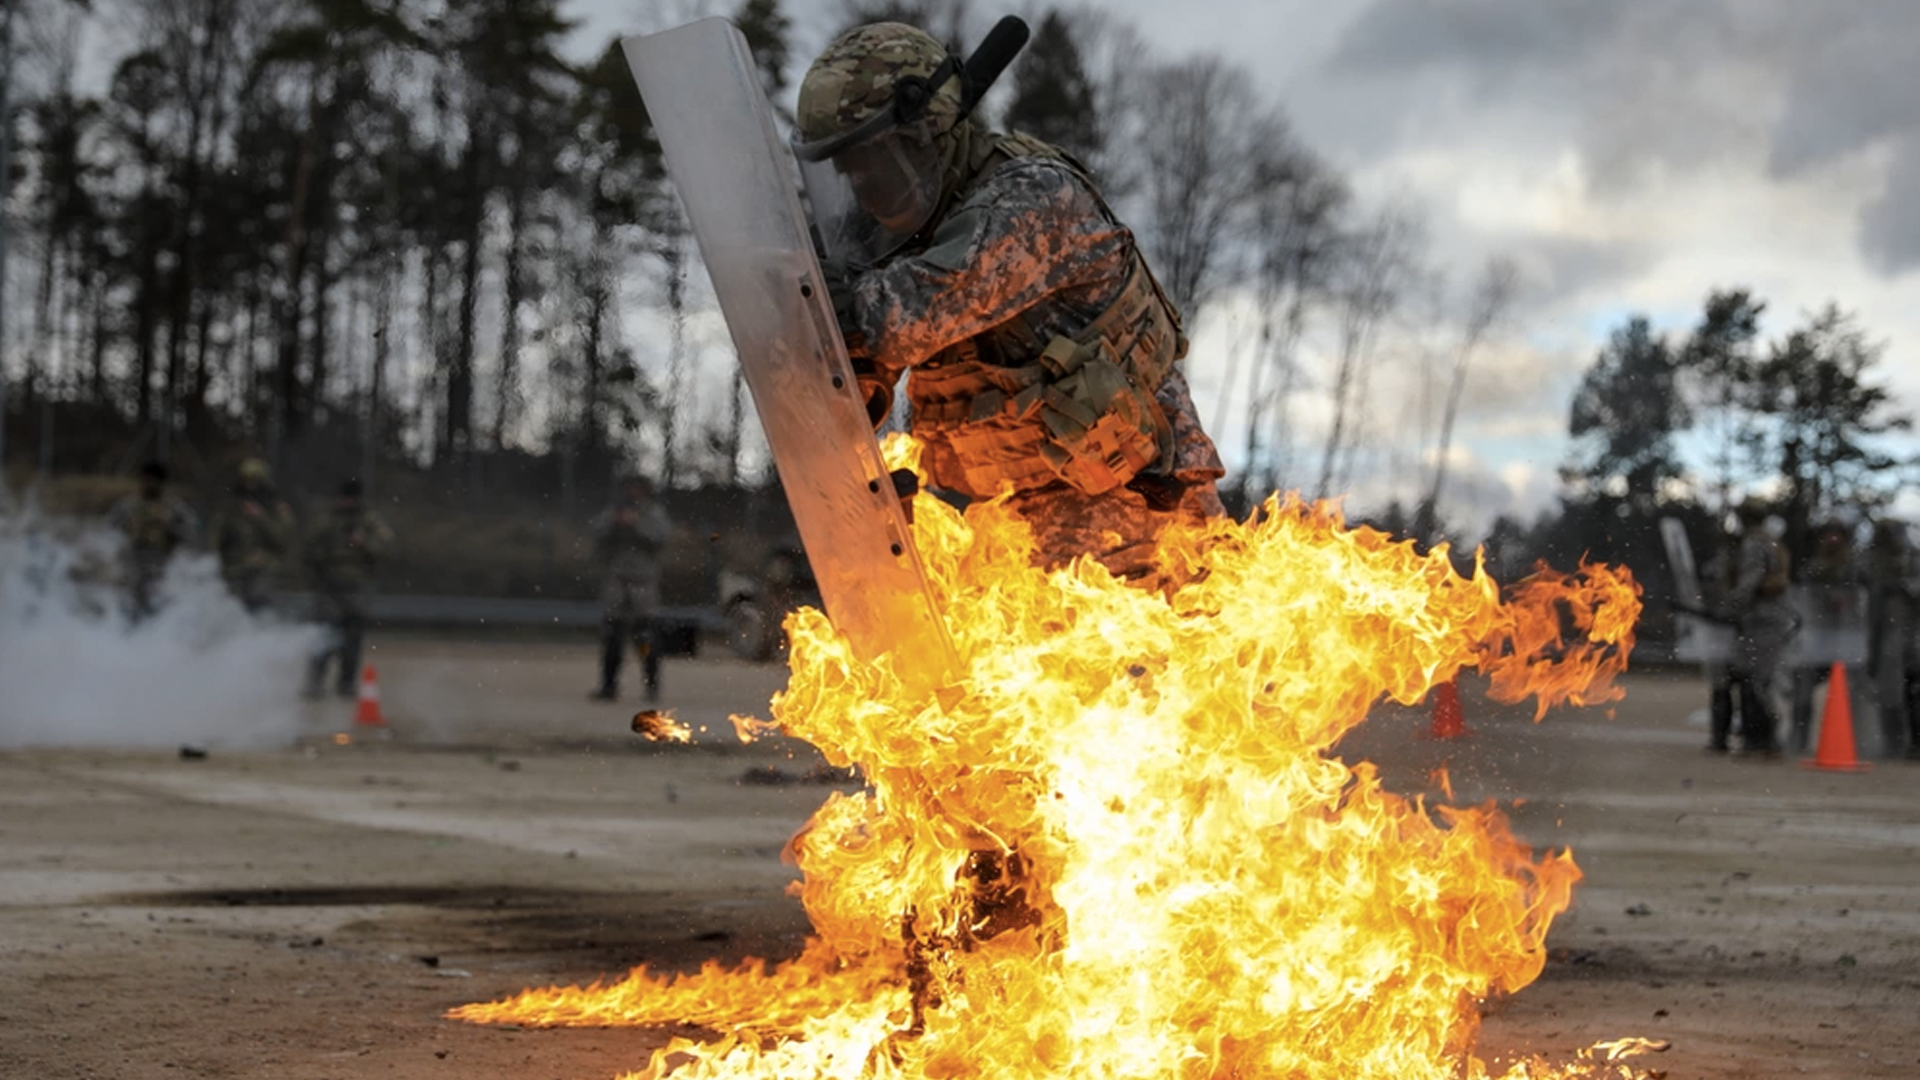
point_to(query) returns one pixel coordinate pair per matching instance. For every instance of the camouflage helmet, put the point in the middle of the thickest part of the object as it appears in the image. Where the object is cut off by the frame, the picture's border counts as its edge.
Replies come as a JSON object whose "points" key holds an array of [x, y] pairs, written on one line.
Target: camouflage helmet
{"points": [[254, 470], [877, 128], [864, 70]]}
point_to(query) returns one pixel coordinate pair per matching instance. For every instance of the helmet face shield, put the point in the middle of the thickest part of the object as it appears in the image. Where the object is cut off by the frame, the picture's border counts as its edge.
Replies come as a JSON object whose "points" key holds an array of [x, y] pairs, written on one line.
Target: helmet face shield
{"points": [[872, 188]]}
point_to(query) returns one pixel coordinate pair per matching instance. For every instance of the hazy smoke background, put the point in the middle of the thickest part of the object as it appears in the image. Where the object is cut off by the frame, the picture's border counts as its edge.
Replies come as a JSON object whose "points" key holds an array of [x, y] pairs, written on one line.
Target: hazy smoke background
{"points": [[75, 671]]}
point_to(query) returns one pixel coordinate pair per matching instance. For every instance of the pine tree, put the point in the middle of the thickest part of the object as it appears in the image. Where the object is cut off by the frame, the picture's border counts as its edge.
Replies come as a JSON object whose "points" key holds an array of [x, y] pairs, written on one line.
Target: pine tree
{"points": [[1052, 96]]}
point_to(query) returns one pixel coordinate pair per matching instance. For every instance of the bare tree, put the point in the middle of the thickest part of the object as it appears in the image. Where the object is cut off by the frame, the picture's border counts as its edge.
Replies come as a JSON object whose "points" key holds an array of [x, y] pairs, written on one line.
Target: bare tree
{"points": [[1487, 307], [1204, 137], [1296, 220], [1112, 56], [1377, 264]]}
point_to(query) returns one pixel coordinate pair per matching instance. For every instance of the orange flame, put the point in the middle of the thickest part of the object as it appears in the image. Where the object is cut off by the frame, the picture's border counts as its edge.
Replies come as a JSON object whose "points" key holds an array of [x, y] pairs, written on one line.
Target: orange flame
{"points": [[1116, 845]]}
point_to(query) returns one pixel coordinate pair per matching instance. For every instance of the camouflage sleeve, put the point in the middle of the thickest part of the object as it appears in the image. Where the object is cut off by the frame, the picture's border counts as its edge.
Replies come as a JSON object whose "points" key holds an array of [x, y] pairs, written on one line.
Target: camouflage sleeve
{"points": [[378, 537], [1032, 229], [284, 529], [316, 549], [1750, 571], [656, 526], [186, 525]]}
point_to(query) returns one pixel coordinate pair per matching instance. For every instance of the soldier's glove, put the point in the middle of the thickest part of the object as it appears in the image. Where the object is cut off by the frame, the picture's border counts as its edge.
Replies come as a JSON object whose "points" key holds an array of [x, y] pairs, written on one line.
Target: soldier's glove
{"points": [[839, 278], [1163, 493], [876, 388]]}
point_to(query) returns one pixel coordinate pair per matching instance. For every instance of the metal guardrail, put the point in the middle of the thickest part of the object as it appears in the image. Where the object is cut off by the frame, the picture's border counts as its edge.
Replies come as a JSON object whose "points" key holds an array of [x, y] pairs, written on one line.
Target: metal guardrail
{"points": [[401, 609]]}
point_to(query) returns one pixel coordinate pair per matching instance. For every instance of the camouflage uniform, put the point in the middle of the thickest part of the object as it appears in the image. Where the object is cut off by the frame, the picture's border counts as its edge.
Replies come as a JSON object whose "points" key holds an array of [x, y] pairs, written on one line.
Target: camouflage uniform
{"points": [[1756, 603], [156, 525], [253, 537], [1040, 353], [1832, 576], [628, 538], [1893, 627], [342, 553]]}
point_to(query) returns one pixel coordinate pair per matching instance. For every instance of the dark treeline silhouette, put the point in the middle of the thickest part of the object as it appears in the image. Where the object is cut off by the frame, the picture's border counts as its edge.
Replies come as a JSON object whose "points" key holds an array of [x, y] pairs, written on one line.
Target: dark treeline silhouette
{"points": [[416, 242]]}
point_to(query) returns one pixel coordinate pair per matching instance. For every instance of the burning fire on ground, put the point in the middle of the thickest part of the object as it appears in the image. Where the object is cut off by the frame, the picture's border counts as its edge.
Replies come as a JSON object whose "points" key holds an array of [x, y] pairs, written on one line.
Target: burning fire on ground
{"points": [[1116, 844]]}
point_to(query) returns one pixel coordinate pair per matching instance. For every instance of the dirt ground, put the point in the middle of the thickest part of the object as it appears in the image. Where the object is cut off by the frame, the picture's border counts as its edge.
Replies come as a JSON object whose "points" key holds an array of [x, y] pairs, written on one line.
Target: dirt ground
{"points": [[308, 912]]}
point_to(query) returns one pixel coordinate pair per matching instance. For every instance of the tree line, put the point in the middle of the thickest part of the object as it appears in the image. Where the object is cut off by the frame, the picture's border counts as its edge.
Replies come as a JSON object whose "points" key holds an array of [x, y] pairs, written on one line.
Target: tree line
{"points": [[414, 234], [1690, 424]]}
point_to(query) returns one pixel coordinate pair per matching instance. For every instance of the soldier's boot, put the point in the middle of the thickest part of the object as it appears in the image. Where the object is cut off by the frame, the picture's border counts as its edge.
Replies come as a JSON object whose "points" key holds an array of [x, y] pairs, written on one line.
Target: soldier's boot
{"points": [[650, 667], [315, 687], [1758, 725], [1912, 695], [1721, 710], [1800, 728], [610, 648], [352, 637]]}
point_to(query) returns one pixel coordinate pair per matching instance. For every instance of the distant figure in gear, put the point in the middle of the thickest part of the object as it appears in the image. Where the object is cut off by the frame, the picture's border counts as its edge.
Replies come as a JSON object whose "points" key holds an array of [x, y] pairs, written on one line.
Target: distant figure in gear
{"points": [[1754, 601], [628, 539], [253, 536], [1893, 638], [1833, 579], [1044, 356], [342, 553], [157, 525]]}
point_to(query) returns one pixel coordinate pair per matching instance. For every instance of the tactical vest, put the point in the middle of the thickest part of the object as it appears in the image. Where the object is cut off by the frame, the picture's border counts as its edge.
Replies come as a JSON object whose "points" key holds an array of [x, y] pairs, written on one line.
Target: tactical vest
{"points": [[152, 527], [1779, 568], [1006, 407]]}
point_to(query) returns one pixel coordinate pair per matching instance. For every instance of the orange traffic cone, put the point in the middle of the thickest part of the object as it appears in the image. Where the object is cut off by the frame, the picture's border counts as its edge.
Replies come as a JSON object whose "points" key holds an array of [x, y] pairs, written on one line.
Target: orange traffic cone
{"points": [[1836, 729], [367, 713], [1448, 721]]}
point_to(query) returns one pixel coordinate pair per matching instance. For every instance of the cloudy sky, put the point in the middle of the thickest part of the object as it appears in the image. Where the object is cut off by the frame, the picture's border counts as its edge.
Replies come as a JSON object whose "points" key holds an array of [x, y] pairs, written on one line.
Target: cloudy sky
{"points": [[1630, 155]]}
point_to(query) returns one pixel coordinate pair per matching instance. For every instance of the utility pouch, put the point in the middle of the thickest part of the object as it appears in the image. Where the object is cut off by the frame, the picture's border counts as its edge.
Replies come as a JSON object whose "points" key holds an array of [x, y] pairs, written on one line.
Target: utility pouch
{"points": [[1101, 429]]}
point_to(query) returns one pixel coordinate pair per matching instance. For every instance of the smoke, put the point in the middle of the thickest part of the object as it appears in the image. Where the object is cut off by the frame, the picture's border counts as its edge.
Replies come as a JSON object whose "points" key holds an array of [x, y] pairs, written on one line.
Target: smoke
{"points": [[75, 670]]}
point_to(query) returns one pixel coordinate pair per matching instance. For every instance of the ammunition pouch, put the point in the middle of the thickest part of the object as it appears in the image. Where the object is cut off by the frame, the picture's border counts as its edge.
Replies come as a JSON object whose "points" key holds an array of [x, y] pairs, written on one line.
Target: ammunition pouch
{"points": [[1102, 429], [1083, 411], [1010, 408]]}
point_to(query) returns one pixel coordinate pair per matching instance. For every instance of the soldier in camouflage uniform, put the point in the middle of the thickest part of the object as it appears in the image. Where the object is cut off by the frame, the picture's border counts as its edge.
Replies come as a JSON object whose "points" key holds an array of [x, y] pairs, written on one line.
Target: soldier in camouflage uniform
{"points": [[253, 536], [1833, 576], [1043, 354], [157, 525], [628, 538], [341, 554], [1893, 638], [1754, 600]]}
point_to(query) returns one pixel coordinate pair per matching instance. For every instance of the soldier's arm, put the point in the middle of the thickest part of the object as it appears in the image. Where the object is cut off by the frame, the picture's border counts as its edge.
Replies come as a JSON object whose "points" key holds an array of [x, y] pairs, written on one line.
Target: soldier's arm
{"points": [[1752, 570], [280, 527], [1031, 230], [316, 552], [655, 525], [377, 538], [186, 525]]}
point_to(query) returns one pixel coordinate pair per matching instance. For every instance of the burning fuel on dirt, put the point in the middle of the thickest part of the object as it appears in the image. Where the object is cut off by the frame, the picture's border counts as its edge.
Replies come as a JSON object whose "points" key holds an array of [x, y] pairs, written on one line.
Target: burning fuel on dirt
{"points": [[1118, 844]]}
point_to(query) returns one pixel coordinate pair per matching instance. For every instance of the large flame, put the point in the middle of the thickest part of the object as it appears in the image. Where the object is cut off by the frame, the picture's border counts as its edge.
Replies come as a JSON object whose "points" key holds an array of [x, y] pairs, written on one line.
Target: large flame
{"points": [[1117, 844]]}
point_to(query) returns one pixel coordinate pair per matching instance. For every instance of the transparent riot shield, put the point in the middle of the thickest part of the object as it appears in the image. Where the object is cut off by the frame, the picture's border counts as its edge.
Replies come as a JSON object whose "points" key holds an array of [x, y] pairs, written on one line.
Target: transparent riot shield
{"points": [[736, 181]]}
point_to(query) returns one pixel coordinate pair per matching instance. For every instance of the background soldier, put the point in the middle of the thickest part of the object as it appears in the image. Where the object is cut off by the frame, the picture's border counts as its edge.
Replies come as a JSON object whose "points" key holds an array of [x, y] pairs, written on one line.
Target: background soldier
{"points": [[1833, 578], [156, 525], [341, 555], [628, 538], [1044, 355], [1893, 629], [253, 536], [1755, 602]]}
